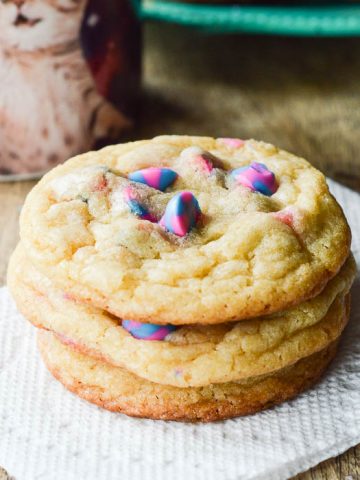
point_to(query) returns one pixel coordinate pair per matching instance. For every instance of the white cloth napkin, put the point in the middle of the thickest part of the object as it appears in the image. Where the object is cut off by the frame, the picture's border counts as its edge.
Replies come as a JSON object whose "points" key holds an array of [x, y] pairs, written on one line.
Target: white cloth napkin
{"points": [[48, 433]]}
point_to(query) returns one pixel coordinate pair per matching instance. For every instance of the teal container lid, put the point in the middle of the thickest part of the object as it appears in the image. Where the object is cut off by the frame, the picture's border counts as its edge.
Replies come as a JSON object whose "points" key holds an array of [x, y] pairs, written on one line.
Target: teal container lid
{"points": [[304, 20]]}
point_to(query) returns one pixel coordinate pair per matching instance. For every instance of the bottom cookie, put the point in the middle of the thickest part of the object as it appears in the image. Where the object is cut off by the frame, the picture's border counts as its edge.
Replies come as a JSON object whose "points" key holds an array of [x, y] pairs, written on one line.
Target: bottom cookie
{"points": [[118, 390]]}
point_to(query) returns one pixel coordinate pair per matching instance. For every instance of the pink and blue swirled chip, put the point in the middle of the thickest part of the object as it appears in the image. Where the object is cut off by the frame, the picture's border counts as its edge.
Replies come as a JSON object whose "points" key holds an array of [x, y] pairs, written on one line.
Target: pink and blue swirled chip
{"points": [[181, 214], [155, 177], [257, 177], [147, 331], [135, 206]]}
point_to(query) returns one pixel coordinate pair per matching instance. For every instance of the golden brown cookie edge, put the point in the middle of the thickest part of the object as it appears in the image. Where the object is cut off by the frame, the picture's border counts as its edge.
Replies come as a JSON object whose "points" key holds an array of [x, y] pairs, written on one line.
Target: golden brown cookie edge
{"points": [[269, 391]]}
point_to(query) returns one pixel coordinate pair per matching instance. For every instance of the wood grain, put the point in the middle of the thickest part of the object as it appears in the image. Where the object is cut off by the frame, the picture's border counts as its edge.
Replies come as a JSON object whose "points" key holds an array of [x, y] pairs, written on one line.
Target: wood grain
{"points": [[301, 94]]}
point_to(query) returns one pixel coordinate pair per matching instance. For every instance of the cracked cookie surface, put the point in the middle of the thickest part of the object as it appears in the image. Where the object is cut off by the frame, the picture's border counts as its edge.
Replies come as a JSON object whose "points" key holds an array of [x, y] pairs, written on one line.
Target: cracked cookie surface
{"points": [[249, 255]]}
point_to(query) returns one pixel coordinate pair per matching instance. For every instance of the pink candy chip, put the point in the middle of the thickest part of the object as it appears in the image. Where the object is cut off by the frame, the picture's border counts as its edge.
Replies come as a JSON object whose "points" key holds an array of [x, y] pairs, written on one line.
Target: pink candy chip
{"points": [[130, 197], [152, 176], [290, 216], [155, 177], [285, 216], [204, 163], [232, 142], [257, 177], [101, 186], [181, 214], [147, 331]]}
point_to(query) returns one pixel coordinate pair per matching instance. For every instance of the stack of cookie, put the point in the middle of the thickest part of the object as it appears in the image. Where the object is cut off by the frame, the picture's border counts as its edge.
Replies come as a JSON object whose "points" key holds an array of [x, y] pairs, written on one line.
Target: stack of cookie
{"points": [[184, 278]]}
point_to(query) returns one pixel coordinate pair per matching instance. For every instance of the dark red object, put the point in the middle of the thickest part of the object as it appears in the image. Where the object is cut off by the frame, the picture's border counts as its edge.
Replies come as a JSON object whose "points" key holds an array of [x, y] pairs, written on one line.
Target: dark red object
{"points": [[111, 41]]}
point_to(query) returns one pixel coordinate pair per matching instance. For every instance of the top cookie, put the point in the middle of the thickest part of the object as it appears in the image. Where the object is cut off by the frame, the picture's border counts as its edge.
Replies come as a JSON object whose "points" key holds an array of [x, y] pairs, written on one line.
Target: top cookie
{"points": [[212, 242]]}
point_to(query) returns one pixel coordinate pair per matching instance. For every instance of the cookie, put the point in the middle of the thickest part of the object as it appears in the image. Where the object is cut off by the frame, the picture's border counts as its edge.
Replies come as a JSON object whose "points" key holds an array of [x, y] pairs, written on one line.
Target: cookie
{"points": [[237, 250], [191, 355], [116, 389]]}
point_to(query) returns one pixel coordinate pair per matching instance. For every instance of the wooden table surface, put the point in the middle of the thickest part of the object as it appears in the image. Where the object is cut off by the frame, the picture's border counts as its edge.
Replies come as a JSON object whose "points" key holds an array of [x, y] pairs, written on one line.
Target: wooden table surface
{"points": [[301, 94]]}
